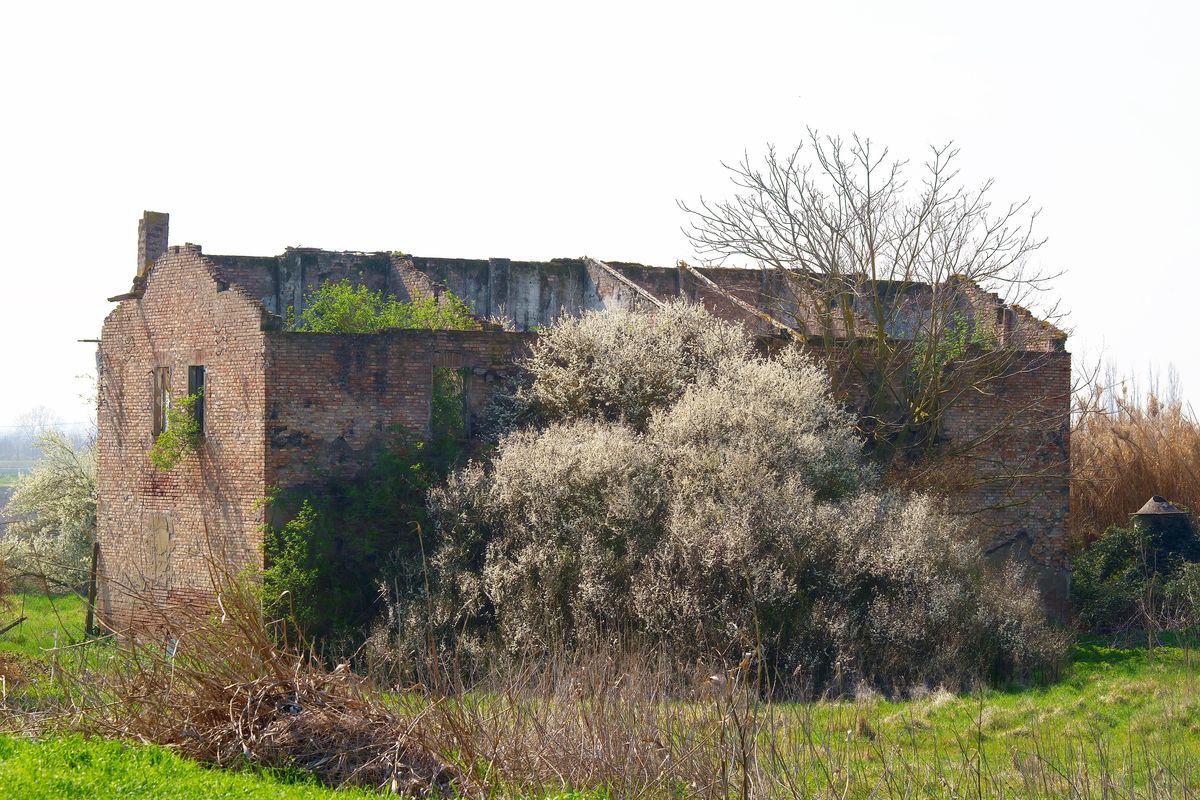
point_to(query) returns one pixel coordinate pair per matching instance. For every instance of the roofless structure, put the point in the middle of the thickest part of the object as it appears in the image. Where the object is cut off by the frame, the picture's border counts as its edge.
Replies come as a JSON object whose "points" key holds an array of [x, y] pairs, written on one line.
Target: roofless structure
{"points": [[284, 408]]}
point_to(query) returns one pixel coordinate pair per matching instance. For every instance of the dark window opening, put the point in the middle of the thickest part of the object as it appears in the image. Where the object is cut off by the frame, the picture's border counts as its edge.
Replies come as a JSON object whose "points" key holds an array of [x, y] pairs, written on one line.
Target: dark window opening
{"points": [[448, 419], [196, 388], [160, 400]]}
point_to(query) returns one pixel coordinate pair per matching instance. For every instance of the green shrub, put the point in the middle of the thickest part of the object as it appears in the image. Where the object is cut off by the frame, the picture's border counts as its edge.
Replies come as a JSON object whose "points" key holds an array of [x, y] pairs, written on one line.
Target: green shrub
{"points": [[343, 307], [349, 539], [1133, 578], [181, 436], [290, 575]]}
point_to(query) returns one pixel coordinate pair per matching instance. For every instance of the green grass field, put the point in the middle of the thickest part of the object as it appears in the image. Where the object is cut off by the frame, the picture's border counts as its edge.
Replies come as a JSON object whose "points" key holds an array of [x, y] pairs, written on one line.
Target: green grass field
{"points": [[10, 470], [70, 767], [1120, 723], [49, 620], [1119, 719]]}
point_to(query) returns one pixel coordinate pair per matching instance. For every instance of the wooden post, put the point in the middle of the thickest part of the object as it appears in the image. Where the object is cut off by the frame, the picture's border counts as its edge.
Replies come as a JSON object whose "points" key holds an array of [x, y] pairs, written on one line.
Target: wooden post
{"points": [[91, 600], [626, 281], [739, 302]]}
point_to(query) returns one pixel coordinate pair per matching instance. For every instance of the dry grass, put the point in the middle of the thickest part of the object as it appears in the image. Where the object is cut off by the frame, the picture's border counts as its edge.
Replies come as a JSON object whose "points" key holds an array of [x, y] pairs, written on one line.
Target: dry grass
{"points": [[225, 691], [614, 721], [222, 691], [1126, 448], [611, 722]]}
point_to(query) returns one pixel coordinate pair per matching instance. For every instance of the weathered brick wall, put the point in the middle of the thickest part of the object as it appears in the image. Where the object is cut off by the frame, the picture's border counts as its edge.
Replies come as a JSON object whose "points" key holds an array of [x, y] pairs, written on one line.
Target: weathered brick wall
{"points": [[332, 398], [1015, 433], [1010, 325], [157, 529]]}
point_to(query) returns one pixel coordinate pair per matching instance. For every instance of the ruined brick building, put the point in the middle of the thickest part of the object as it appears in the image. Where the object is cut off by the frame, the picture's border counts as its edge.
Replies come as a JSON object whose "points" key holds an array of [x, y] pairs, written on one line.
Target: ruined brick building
{"points": [[281, 407]]}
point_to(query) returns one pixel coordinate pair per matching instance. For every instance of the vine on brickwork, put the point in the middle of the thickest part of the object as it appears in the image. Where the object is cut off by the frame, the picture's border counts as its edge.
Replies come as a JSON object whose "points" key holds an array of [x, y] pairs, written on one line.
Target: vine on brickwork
{"points": [[347, 537]]}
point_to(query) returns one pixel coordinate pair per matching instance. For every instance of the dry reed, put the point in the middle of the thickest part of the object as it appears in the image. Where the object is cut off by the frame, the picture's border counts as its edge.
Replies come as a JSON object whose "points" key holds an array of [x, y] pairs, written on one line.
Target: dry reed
{"points": [[1126, 448]]}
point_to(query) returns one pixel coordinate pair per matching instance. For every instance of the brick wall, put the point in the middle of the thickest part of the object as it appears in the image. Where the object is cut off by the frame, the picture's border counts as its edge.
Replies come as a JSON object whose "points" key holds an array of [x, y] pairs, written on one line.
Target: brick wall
{"points": [[156, 529], [1021, 464], [332, 398]]}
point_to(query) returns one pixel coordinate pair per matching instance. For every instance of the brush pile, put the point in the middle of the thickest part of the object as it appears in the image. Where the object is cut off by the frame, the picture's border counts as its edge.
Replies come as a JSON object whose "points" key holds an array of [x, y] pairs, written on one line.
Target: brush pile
{"points": [[221, 691]]}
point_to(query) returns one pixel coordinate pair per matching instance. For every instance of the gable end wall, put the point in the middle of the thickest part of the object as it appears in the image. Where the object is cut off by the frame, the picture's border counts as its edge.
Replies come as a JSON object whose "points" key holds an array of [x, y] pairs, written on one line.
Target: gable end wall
{"points": [[156, 529]]}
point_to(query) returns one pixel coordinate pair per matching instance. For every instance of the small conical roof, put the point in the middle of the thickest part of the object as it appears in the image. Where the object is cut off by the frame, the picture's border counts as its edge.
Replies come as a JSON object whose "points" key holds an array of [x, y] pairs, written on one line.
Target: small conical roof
{"points": [[1158, 505]]}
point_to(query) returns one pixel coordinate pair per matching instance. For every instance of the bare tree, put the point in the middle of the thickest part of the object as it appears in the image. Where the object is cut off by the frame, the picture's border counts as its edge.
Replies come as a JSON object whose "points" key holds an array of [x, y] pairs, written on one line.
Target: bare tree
{"points": [[888, 276], [34, 423]]}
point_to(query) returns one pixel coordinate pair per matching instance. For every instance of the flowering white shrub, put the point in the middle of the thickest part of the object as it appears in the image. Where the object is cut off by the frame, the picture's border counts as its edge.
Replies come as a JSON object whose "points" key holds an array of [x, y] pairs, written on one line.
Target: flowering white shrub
{"points": [[775, 417], [622, 364], [583, 502], [728, 510], [55, 510], [910, 600]]}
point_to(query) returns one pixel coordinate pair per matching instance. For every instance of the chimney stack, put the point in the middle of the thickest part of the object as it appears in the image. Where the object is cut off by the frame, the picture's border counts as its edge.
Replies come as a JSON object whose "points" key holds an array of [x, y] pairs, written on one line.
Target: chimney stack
{"points": [[152, 240]]}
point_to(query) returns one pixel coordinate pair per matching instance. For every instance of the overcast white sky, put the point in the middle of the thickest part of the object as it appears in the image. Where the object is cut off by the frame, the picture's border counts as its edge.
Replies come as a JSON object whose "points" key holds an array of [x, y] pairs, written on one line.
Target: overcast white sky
{"points": [[506, 129]]}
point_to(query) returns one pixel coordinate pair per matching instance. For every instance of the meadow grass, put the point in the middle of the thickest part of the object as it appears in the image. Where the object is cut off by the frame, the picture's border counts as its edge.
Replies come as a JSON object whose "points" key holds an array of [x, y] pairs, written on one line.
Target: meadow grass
{"points": [[61, 766], [73, 766], [1120, 722], [50, 620], [12, 469]]}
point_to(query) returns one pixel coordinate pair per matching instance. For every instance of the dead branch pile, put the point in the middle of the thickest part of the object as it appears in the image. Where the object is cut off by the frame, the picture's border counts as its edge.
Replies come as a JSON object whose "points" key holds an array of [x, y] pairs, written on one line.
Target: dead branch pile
{"points": [[219, 689]]}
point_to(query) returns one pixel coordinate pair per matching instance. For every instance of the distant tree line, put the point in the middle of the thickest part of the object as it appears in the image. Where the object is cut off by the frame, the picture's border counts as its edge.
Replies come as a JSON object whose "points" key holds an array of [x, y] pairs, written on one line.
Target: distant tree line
{"points": [[19, 439]]}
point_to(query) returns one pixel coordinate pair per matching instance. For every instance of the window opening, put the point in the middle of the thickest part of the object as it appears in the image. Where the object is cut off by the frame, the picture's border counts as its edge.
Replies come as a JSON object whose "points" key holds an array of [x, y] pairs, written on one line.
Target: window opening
{"points": [[160, 400], [196, 387], [448, 408]]}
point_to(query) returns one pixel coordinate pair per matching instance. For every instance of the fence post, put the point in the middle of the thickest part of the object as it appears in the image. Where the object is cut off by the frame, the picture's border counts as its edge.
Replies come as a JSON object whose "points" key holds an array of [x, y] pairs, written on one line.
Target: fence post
{"points": [[91, 600]]}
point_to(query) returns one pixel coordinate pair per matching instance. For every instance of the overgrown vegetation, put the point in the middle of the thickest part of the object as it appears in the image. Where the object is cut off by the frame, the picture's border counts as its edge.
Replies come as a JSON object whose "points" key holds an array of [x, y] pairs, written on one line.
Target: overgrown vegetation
{"points": [[1125, 448], [688, 493], [54, 507], [180, 436], [1139, 578], [613, 722], [326, 565], [347, 541], [346, 307]]}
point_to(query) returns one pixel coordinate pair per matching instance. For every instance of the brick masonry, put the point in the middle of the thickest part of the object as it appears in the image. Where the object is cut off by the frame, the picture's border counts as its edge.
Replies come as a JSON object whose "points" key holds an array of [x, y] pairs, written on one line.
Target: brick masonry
{"points": [[283, 407], [157, 530]]}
